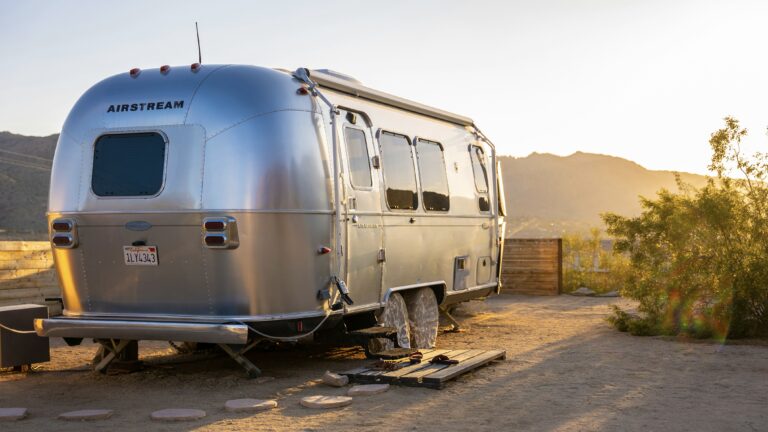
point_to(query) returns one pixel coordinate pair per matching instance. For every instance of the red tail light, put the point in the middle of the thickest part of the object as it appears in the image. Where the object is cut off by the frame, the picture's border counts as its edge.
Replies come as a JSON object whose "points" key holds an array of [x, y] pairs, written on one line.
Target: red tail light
{"points": [[215, 225], [220, 232], [215, 240], [62, 240], [64, 233], [64, 226]]}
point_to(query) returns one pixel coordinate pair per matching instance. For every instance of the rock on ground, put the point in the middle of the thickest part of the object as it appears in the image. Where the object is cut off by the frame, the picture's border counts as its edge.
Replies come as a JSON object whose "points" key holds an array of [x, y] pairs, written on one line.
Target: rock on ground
{"points": [[326, 401], [335, 380], [11, 414], [249, 405], [367, 389], [177, 414], [87, 414], [583, 291]]}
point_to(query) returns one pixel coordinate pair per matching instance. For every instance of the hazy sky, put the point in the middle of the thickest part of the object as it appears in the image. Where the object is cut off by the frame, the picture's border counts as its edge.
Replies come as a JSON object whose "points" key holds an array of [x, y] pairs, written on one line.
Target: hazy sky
{"points": [[646, 80]]}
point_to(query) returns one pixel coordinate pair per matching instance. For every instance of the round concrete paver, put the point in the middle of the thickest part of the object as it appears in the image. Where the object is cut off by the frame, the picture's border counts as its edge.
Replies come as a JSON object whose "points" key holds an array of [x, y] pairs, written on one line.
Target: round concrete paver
{"points": [[88, 414], [177, 414], [367, 389], [249, 405], [326, 401], [11, 414]]}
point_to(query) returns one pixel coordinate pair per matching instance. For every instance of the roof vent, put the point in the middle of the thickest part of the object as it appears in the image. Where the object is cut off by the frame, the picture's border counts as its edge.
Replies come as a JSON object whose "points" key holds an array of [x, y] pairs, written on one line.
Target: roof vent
{"points": [[338, 75]]}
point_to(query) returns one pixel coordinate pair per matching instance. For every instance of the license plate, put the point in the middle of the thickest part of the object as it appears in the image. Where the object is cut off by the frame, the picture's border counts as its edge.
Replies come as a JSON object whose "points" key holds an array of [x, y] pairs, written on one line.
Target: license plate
{"points": [[140, 255]]}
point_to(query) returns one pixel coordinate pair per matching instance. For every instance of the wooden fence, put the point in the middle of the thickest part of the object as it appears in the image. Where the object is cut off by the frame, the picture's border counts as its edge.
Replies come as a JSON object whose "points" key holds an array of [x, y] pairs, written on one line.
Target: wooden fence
{"points": [[27, 275], [532, 266]]}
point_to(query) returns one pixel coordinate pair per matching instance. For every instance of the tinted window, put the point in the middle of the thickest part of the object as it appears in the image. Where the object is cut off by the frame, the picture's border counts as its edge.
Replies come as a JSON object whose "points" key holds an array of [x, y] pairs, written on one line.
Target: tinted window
{"points": [[478, 167], [481, 177], [128, 165], [397, 162], [434, 182], [357, 153]]}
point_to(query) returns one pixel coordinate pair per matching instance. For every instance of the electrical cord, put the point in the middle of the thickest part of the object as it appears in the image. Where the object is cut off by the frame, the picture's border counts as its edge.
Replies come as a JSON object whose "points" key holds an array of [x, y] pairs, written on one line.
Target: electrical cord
{"points": [[288, 338], [17, 331]]}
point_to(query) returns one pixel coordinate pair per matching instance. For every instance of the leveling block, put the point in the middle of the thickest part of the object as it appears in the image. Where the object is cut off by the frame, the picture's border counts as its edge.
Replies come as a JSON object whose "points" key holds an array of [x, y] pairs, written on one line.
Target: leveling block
{"points": [[425, 374]]}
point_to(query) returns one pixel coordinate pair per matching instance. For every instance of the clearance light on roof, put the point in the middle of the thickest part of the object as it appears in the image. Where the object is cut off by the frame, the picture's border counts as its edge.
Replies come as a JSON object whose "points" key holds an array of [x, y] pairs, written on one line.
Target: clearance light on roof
{"points": [[302, 91], [324, 250], [135, 72], [195, 67], [164, 69]]}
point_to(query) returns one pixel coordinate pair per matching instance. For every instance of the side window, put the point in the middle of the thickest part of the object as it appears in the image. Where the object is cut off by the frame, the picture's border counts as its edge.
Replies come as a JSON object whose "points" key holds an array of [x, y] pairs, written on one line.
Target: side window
{"points": [[357, 153], [434, 181], [399, 177], [481, 176]]}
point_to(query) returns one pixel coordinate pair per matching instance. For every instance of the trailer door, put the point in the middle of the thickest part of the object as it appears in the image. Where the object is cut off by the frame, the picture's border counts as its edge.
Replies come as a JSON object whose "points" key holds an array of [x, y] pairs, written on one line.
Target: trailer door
{"points": [[364, 254]]}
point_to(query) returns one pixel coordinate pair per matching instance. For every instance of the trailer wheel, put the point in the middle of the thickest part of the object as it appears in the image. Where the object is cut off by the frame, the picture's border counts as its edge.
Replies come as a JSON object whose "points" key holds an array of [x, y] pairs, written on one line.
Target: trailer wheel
{"points": [[394, 314], [423, 317]]}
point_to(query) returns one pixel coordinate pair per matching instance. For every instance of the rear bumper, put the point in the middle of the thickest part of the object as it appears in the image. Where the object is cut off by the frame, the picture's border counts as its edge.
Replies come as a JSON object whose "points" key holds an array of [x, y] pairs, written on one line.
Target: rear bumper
{"points": [[142, 330]]}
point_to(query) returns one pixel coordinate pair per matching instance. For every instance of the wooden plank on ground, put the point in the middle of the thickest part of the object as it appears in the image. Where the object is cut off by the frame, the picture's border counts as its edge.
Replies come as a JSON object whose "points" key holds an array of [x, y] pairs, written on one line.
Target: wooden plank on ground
{"points": [[426, 374], [416, 376], [398, 374], [365, 368], [390, 375], [438, 379], [366, 374]]}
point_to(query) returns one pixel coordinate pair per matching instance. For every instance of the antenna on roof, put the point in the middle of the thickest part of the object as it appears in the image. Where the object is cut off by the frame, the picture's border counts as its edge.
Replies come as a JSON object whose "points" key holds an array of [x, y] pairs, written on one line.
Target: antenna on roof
{"points": [[199, 53]]}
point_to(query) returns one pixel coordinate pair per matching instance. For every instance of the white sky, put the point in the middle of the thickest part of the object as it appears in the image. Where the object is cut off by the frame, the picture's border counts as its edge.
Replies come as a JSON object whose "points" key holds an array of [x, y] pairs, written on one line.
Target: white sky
{"points": [[647, 80]]}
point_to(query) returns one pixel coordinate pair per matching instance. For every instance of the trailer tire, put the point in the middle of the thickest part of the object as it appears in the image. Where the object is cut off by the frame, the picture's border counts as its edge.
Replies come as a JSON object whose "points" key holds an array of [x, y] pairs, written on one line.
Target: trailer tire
{"points": [[394, 314], [423, 317]]}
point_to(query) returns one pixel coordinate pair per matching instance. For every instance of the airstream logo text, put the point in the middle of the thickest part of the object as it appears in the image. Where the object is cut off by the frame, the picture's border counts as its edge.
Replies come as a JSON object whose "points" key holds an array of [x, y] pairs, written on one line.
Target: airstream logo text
{"points": [[147, 106]]}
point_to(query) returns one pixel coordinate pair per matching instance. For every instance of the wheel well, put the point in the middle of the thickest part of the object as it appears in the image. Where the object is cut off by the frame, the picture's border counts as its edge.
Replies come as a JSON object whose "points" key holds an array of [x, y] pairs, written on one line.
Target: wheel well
{"points": [[437, 288], [439, 292]]}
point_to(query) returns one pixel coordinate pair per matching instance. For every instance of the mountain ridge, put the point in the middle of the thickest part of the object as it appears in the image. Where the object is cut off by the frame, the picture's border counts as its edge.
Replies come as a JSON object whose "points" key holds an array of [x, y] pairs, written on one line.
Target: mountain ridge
{"points": [[546, 194]]}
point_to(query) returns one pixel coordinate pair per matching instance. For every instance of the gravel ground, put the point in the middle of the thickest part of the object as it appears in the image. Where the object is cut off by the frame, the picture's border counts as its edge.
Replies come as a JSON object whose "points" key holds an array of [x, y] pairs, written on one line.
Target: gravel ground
{"points": [[566, 369]]}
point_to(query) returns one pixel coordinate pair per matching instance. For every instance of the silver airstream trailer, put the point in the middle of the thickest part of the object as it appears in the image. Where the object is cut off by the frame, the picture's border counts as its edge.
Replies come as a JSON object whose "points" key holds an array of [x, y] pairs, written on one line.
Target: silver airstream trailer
{"points": [[226, 204]]}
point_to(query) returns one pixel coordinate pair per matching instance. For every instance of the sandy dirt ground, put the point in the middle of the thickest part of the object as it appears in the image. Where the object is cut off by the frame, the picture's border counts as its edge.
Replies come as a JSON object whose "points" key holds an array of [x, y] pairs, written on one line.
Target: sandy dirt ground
{"points": [[566, 370]]}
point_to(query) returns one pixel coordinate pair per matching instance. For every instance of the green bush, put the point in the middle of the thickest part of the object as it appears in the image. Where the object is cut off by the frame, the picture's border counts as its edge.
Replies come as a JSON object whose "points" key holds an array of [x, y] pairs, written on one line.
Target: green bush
{"points": [[638, 326], [699, 257]]}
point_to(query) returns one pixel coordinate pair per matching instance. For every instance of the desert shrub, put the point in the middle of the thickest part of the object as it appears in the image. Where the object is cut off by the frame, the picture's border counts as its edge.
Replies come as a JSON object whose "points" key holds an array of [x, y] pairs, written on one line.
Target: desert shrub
{"points": [[586, 263], [636, 325], [699, 257]]}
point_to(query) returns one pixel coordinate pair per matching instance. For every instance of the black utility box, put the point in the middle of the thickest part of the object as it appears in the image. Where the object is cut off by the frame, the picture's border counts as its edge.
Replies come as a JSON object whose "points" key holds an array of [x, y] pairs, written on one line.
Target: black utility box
{"points": [[22, 349]]}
